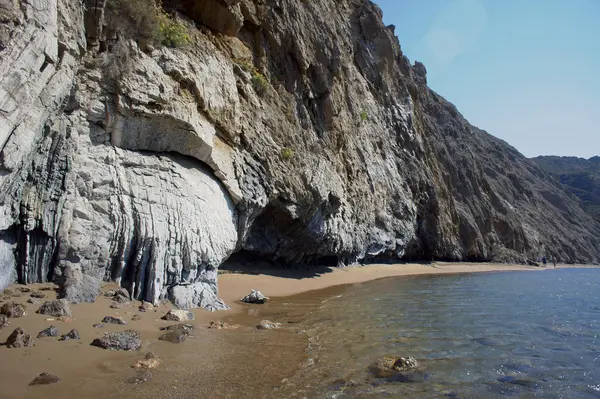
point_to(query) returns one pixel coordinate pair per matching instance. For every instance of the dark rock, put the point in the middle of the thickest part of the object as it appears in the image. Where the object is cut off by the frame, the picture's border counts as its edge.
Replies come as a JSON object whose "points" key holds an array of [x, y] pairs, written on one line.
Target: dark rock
{"points": [[115, 305], [532, 263], [255, 297], [37, 294], [522, 381], [19, 339], [56, 308], [185, 328], [135, 317], [24, 289], [128, 340], [3, 321], [73, 334], [410, 376], [51, 331], [32, 301], [174, 336], [113, 320], [178, 315], [45, 379], [145, 306], [98, 325], [13, 309]]}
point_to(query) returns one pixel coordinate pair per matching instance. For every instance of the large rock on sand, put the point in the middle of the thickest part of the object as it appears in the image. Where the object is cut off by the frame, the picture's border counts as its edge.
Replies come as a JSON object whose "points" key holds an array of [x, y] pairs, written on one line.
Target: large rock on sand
{"points": [[13, 309], [19, 339], [45, 379], [178, 315], [255, 297], [51, 331], [56, 308], [128, 340]]}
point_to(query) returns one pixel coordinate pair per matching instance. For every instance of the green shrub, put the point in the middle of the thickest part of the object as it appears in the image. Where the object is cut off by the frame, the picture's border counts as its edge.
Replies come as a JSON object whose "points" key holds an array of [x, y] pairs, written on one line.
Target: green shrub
{"points": [[259, 82], [174, 33], [364, 116], [287, 153]]}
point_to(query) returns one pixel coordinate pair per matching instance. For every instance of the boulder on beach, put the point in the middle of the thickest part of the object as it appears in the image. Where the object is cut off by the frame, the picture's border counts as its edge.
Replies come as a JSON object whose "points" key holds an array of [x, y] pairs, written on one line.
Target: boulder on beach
{"points": [[37, 294], [24, 289], [13, 309], [145, 306], [178, 315], [268, 325], [73, 334], [45, 379], [113, 320], [19, 339], [127, 340], [51, 331], [255, 297], [186, 328], [56, 308]]}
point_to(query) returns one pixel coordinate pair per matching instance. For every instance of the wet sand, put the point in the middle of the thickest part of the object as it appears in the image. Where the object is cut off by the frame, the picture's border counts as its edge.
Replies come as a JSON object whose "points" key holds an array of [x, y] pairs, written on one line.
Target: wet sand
{"points": [[230, 363]]}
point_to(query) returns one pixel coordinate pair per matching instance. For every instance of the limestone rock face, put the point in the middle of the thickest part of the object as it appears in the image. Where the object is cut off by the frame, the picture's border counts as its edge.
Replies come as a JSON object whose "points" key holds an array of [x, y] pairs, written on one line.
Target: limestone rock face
{"points": [[291, 131]]}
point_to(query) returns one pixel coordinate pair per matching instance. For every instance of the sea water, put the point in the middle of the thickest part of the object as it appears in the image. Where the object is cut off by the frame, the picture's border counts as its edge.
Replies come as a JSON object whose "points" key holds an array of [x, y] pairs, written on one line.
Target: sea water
{"points": [[490, 335]]}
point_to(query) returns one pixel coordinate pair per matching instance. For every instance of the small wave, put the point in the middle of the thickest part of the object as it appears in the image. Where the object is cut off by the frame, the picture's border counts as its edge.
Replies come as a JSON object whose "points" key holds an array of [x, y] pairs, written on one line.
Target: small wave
{"points": [[594, 387]]}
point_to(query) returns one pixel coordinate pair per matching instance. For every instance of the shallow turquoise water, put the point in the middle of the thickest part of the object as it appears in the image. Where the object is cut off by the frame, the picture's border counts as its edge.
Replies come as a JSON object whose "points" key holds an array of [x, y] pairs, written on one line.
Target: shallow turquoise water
{"points": [[493, 335]]}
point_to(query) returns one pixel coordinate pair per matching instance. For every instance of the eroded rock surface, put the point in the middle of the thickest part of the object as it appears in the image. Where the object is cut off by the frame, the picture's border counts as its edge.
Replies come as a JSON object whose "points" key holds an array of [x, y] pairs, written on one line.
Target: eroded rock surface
{"points": [[19, 339], [294, 132], [128, 340], [56, 308]]}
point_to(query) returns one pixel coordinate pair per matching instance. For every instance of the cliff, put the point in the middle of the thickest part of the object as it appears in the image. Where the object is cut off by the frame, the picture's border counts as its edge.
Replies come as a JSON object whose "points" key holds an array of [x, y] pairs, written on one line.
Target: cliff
{"points": [[580, 176], [148, 147]]}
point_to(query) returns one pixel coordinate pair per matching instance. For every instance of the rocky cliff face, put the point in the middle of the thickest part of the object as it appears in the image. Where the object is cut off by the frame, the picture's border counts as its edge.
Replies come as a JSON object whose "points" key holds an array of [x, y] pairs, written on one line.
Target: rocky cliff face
{"points": [[295, 131], [580, 176]]}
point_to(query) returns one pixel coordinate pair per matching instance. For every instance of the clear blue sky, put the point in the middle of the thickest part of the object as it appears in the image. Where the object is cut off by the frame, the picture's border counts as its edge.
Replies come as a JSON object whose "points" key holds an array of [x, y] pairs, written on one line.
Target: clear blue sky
{"points": [[527, 71]]}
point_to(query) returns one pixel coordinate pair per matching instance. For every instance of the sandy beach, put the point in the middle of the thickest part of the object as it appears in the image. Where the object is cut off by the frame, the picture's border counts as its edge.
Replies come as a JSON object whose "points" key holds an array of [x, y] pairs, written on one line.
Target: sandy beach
{"points": [[93, 372]]}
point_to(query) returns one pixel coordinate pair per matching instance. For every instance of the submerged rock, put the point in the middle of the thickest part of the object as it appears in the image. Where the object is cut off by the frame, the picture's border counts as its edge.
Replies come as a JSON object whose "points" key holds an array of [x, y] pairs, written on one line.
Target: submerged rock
{"points": [[255, 297], [390, 366], [51, 331], [19, 339], [113, 320], [45, 379], [268, 325], [73, 334], [150, 361], [178, 315], [127, 340], [221, 325], [56, 308], [13, 309], [174, 336]]}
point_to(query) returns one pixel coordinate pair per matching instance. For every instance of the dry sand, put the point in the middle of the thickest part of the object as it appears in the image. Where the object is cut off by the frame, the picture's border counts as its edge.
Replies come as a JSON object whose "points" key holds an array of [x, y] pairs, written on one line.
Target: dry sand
{"points": [[87, 371]]}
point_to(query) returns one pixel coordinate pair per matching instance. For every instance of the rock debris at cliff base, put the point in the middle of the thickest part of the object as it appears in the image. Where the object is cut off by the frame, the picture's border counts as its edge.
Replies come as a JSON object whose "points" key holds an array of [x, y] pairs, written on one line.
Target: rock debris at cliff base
{"points": [[293, 132]]}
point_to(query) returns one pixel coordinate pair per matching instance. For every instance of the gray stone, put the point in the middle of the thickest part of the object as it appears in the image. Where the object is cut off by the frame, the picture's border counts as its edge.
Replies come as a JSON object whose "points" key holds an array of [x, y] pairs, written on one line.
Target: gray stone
{"points": [[185, 328], [178, 315], [56, 308], [127, 340], [113, 320], [51, 331], [3, 321], [13, 309], [98, 325], [45, 379], [268, 325], [73, 334], [19, 339], [255, 297]]}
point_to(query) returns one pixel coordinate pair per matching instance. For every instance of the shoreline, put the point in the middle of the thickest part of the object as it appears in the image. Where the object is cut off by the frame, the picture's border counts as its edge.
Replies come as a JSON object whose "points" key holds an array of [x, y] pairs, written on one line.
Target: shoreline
{"points": [[276, 283]]}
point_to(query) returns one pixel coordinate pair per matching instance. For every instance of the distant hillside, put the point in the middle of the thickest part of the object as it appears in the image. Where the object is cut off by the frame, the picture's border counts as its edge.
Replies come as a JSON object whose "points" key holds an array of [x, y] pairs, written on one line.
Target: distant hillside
{"points": [[581, 176]]}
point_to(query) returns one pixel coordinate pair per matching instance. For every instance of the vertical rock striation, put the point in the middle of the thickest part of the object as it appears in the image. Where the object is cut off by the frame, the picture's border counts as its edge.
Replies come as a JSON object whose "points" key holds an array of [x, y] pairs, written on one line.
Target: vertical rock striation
{"points": [[288, 130]]}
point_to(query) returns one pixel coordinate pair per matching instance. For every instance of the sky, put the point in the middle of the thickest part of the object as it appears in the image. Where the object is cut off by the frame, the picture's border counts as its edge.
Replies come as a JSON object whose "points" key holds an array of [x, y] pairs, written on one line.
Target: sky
{"points": [[526, 71]]}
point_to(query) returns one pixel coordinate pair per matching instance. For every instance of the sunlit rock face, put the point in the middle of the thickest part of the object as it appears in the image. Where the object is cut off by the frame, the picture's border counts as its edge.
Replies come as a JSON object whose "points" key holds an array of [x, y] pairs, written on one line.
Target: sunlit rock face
{"points": [[287, 131]]}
